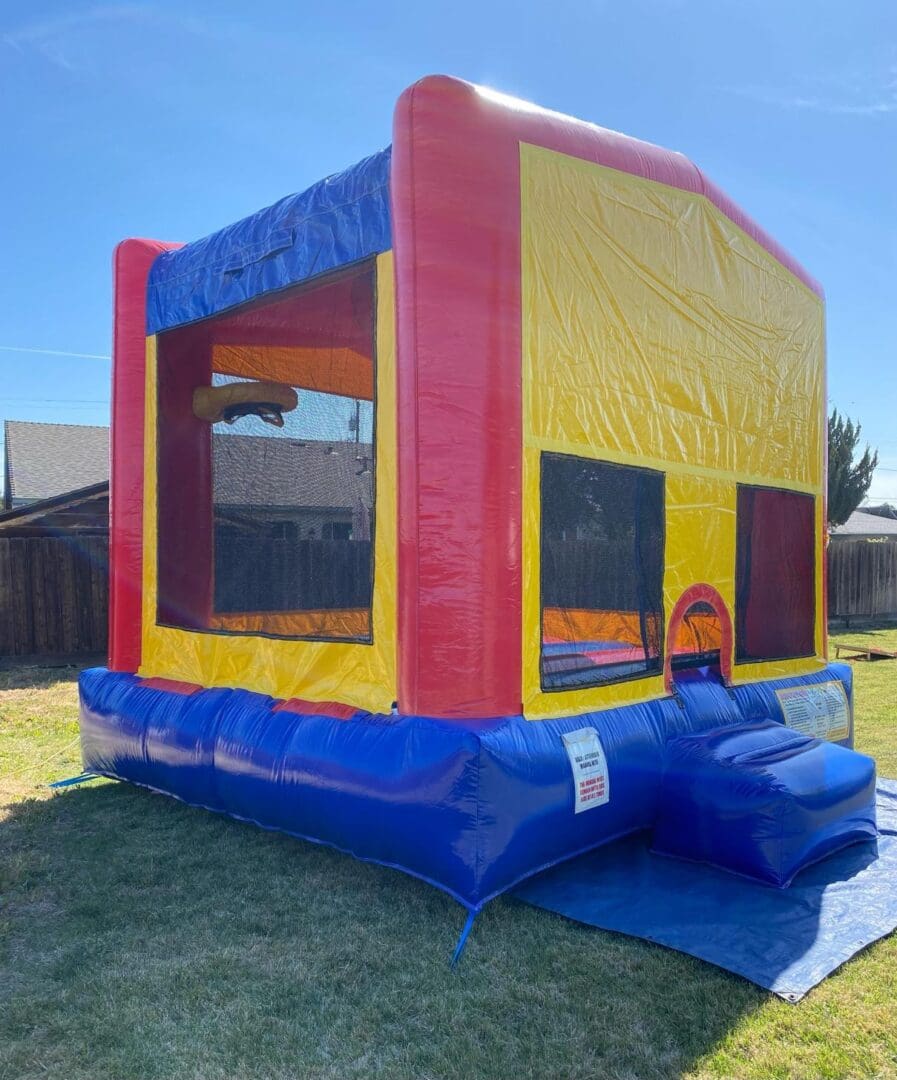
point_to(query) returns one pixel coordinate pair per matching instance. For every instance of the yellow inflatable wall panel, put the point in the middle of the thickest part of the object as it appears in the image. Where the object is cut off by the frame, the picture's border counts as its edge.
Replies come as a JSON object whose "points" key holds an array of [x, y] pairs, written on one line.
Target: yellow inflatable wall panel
{"points": [[657, 333], [359, 674]]}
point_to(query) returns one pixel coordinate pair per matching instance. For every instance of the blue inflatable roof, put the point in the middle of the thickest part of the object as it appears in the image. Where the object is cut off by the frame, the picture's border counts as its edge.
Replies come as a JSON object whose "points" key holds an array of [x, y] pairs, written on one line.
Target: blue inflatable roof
{"points": [[335, 222]]}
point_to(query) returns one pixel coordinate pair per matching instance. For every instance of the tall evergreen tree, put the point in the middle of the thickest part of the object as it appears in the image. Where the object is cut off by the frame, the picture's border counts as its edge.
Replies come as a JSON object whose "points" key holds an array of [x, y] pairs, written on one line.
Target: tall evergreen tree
{"points": [[848, 480]]}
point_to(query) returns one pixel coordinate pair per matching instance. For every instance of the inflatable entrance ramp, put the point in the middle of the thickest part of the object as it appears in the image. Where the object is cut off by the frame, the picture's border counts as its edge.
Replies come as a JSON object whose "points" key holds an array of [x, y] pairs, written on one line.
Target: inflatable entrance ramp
{"points": [[762, 801], [446, 492]]}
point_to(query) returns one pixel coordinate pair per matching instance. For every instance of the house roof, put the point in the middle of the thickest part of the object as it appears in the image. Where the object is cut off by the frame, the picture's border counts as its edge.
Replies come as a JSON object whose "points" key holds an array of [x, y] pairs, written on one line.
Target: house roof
{"points": [[45, 460], [49, 460], [258, 471], [86, 509], [862, 524]]}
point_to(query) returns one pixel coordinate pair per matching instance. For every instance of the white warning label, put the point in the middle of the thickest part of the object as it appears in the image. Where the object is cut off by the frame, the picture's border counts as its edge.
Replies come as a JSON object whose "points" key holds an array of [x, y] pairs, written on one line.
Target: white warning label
{"points": [[818, 709], [589, 767]]}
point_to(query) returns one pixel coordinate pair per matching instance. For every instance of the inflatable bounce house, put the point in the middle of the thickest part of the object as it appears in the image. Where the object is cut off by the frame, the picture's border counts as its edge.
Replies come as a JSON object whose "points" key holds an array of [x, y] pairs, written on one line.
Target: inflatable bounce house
{"points": [[468, 512]]}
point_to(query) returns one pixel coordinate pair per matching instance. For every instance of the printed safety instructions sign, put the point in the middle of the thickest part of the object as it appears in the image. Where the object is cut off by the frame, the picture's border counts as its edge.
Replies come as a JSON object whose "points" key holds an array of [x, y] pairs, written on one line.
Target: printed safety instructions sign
{"points": [[589, 767], [818, 709]]}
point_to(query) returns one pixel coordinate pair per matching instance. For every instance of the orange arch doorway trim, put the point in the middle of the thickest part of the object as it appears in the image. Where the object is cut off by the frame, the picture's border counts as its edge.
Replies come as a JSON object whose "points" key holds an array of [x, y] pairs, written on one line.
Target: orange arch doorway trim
{"points": [[697, 594]]}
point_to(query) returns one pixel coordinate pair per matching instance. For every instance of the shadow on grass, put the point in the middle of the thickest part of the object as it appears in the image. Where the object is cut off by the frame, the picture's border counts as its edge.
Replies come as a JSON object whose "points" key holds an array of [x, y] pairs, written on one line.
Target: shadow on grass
{"points": [[38, 672], [144, 938], [858, 624]]}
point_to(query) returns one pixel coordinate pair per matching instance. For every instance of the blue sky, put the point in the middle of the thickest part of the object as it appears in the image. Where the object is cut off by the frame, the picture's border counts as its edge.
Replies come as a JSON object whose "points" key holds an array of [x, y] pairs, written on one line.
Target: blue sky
{"points": [[168, 120]]}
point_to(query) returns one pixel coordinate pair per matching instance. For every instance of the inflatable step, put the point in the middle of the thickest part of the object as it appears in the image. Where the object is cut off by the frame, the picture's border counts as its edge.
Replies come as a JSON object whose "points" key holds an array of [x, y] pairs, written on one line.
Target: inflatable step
{"points": [[762, 800]]}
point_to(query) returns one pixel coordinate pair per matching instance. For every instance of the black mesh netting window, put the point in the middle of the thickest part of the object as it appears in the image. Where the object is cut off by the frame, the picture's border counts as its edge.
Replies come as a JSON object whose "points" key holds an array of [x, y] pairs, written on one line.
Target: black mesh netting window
{"points": [[268, 527], [602, 546], [293, 517], [775, 580]]}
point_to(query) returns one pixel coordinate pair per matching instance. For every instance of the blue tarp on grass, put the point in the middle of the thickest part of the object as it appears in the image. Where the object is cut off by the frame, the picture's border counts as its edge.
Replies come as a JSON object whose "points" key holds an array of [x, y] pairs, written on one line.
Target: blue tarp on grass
{"points": [[785, 940]]}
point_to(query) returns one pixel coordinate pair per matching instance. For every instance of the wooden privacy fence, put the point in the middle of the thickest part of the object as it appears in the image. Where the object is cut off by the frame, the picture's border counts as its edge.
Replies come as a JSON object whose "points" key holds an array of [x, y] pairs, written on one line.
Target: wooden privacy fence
{"points": [[862, 578], [256, 573], [54, 594], [54, 590]]}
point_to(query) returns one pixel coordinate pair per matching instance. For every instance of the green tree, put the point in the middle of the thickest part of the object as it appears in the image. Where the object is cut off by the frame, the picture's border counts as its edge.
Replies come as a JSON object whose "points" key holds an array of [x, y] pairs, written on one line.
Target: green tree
{"points": [[848, 480]]}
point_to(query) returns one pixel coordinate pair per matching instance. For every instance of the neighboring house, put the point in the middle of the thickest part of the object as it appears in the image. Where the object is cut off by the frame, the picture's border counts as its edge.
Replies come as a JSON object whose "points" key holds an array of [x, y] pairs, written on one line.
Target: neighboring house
{"points": [[302, 488], [43, 461], [270, 494], [863, 526], [84, 512]]}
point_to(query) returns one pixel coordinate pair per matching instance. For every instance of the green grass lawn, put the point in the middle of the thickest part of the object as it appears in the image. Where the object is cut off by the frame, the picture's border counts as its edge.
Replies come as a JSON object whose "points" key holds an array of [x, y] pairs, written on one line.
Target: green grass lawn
{"points": [[141, 939]]}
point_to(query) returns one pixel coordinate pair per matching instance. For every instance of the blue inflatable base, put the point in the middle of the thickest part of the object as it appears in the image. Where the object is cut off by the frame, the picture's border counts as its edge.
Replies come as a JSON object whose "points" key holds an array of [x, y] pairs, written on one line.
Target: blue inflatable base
{"points": [[785, 940], [472, 807]]}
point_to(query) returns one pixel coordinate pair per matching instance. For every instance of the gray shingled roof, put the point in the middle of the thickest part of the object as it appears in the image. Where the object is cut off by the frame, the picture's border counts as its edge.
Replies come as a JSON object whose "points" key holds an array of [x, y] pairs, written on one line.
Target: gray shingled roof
{"points": [[254, 470], [861, 524], [44, 460]]}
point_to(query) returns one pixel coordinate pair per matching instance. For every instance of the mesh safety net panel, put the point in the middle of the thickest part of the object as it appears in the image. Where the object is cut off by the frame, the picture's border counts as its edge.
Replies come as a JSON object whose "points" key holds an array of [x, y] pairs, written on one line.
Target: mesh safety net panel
{"points": [[293, 512], [775, 574], [263, 528], [602, 543]]}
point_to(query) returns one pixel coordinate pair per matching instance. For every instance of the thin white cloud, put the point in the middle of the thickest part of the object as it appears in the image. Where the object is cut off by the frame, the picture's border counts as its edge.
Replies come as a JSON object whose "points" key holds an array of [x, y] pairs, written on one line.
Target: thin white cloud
{"points": [[862, 93], [53, 352], [61, 41], [39, 31], [80, 42], [49, 38]]}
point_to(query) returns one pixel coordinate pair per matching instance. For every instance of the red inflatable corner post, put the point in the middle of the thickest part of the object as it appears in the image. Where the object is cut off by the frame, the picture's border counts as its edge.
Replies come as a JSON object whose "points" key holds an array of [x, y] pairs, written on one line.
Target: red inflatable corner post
{"points": [[131, 266]]}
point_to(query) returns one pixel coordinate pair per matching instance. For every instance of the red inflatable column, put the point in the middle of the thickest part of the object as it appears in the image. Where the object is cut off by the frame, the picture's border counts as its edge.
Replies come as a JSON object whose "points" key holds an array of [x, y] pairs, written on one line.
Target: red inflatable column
{"points": [[131, 266], [455, 192]]}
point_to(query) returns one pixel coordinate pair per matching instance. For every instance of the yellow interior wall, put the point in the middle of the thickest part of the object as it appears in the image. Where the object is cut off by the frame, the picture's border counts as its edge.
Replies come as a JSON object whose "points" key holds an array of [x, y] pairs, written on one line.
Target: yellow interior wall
{"points": [[362, 675], [657, 333]]}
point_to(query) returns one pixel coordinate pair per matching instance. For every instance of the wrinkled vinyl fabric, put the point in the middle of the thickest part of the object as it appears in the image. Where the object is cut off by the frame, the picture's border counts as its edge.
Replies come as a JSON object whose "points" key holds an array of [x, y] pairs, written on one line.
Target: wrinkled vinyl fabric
{"points": [[337, 221], [565, 289], [785, 940], [762, 801], [472, 807], [707, 355]]}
